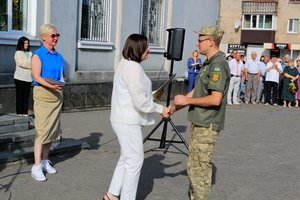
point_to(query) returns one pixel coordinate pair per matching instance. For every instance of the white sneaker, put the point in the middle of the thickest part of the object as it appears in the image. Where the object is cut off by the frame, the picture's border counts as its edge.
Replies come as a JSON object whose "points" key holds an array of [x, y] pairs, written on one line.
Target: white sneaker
{"points": [[37, 173], [47, 167]]}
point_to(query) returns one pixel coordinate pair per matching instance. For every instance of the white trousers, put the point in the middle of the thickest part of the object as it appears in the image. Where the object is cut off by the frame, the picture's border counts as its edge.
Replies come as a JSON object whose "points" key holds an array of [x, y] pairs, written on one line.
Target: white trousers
{"points": [[234, 87], [127, 172]]}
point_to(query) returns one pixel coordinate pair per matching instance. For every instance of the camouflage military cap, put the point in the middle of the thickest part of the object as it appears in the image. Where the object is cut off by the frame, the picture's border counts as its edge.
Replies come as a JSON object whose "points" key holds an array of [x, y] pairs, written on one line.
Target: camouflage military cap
{"points": [[215, 32]]}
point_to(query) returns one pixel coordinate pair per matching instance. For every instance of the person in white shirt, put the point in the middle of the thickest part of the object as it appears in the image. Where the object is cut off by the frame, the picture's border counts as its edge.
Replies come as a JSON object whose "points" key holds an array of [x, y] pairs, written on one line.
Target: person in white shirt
{"points": [[252, 75], [273, 70], [132, 107], [236, 66], [260, 97]]}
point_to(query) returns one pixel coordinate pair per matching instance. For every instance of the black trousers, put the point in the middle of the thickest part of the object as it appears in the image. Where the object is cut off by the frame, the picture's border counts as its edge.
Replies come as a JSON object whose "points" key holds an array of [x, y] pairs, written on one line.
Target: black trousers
{"points": [[271, 92], [22, 96]]}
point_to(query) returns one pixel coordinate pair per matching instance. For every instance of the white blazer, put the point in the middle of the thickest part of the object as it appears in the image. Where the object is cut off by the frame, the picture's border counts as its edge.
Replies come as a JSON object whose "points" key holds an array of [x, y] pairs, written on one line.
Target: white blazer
{"points": [[23, 66], [132, 100]]}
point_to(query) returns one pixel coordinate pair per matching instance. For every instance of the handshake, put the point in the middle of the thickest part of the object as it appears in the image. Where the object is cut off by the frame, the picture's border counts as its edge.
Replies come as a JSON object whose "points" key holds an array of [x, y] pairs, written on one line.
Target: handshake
{"points": [[180, 101], [167, 111]]}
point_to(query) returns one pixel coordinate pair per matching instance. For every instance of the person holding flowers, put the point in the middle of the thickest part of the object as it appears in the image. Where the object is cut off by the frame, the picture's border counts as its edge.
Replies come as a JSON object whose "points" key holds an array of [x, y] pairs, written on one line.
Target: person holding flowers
{"points": [[289, 88], [297, 95]]}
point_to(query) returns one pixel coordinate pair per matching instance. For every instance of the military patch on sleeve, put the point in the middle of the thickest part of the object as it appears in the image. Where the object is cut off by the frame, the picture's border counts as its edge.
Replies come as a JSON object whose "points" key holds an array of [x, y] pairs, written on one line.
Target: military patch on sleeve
{"points": [[215, 76]]}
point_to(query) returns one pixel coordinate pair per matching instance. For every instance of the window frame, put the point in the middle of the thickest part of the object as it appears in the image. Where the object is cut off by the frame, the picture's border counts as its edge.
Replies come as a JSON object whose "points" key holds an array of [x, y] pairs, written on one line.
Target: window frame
{"points": [[258, 21], [293, 26], [10, 37], [159, 47], [94, 44], [294, 1]]}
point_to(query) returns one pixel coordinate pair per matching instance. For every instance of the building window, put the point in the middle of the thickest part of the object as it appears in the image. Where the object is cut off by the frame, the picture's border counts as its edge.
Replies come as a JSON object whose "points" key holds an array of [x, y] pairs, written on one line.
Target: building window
{"points": [[294, 1], [293, 25], [95, 20], [259, 15], [261, 22], [13, 15], [152, 21]]}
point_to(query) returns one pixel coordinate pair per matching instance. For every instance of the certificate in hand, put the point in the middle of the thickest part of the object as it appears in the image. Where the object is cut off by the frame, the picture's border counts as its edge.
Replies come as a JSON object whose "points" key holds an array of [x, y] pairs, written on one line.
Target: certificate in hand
{"points": [[53, 81], [159, 92]]}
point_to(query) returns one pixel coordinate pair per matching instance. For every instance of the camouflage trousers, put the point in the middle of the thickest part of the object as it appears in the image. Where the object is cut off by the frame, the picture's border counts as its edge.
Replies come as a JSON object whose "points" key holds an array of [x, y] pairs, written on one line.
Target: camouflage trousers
{"points": [[201, 148]]}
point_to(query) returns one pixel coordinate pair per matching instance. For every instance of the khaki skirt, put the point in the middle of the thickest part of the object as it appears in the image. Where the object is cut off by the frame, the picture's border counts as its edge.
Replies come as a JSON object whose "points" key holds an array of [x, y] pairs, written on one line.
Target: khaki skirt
{"points": [[47, 109]]}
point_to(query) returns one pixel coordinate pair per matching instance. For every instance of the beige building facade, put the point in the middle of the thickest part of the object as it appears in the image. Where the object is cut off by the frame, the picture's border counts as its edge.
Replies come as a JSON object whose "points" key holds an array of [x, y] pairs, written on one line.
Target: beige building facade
{"points": [[266, 26]]}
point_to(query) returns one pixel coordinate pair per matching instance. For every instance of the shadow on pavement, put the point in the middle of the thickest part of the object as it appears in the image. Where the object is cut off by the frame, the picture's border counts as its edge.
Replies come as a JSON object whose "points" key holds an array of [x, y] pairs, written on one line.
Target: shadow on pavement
{"points": [[154, 168], [5, 192], [181, 128], [3, 165], [92, 140], [214, 173]]}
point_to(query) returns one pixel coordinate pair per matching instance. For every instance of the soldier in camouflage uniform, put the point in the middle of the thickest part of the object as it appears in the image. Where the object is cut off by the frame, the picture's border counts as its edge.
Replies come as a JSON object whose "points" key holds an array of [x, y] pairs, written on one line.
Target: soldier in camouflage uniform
{"points": [[207, 103]]}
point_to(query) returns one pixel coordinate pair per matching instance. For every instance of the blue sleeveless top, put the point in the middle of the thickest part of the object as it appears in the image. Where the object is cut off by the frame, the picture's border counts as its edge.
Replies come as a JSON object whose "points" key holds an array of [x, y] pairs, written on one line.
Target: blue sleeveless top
{"points": [[52, 64]]}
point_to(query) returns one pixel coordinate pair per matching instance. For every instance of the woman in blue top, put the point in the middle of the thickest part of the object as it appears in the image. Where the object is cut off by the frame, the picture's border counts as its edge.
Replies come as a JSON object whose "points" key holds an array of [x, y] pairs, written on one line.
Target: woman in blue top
{"points": [[46, 62], [194, 63]]}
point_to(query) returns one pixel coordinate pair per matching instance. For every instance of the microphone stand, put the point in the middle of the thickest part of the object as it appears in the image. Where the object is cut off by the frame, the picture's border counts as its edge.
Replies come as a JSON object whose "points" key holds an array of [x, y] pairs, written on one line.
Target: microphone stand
{"points": [[163, 139]]}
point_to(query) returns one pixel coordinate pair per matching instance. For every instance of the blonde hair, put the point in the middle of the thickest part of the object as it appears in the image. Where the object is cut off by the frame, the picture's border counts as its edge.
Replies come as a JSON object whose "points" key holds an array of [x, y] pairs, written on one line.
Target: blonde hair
{"points": [[291, 62], [195, 51], [46, 29]]}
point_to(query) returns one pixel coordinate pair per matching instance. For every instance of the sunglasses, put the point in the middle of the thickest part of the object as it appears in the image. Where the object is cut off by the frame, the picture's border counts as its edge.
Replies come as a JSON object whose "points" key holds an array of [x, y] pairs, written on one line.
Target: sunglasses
{"points": [[55, 35], [200, 41]]}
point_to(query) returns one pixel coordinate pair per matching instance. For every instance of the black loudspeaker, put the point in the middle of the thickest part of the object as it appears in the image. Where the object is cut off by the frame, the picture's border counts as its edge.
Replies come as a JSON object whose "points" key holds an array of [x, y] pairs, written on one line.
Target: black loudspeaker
{"points": [[175, 43]]}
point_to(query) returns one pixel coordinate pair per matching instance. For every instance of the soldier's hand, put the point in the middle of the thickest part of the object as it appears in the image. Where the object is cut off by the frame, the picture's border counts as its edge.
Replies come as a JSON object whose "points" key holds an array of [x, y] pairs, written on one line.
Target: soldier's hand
{"points": [[180, 100]]}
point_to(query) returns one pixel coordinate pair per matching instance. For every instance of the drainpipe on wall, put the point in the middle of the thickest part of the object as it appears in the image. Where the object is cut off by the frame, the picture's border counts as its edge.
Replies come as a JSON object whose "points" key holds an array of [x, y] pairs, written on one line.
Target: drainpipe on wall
{"points": [[47, 15], [118, 31]]}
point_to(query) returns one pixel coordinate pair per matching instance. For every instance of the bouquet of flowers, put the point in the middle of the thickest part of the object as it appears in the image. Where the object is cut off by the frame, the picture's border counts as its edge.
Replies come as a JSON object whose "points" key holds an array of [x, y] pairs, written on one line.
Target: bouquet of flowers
{"points": [[293, 87]]}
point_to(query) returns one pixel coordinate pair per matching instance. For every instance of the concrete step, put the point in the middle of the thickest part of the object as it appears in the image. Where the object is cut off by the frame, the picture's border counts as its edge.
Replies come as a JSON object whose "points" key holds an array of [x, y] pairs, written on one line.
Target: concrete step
{"points": [[65, 145], [17, 140], [10, 123]]}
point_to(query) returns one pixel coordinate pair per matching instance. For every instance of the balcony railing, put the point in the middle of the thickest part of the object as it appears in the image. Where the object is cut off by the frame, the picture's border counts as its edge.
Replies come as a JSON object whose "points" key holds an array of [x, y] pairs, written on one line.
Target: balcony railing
{"points": [[261, 7], [265, 1]]}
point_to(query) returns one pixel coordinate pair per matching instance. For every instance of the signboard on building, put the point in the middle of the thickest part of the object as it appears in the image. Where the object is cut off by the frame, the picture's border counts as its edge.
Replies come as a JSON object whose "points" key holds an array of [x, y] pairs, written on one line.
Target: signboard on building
{"points": [[277, 46], [241, 48], [282, 46]]}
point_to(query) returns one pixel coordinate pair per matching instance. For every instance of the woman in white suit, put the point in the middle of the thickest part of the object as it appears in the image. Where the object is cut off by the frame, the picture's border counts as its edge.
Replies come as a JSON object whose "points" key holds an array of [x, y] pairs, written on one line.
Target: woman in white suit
{"points": [[132, 107]]}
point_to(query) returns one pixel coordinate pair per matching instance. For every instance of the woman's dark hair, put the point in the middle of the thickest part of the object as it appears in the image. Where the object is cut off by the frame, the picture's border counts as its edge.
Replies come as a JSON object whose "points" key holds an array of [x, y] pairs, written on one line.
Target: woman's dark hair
{"points": [[21, 42], [261, 58], [134, 47]]}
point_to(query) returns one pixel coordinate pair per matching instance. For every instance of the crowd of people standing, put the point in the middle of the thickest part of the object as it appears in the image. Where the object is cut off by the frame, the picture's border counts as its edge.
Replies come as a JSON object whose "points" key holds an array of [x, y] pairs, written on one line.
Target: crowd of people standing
{"points": [[269, 80]]}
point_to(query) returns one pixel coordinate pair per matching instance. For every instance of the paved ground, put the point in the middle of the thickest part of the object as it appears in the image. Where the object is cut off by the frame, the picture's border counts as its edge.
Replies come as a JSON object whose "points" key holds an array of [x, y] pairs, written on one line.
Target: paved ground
{"points": [[256, 158]]}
